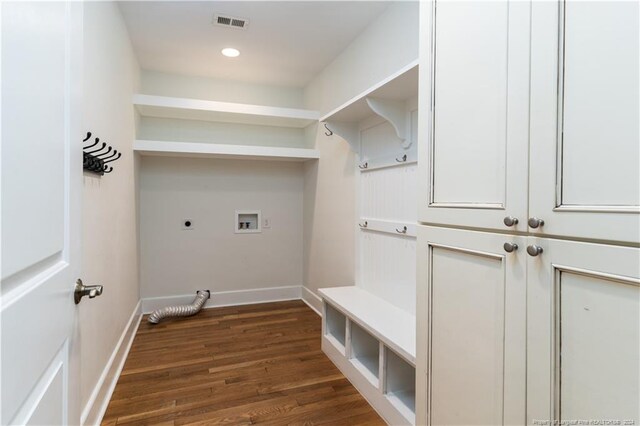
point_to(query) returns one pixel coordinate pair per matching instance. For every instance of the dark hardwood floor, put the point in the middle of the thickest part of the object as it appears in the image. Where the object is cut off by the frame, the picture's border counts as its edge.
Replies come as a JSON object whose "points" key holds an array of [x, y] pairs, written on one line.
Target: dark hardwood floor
{"points": [[242, 365]]}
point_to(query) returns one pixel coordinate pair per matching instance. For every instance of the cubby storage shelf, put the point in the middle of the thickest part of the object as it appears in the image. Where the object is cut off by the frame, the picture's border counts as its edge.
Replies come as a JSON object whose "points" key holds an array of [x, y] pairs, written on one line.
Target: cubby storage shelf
{"points": [[209, 150], [391, 325], [357, 337], [227, 112]]}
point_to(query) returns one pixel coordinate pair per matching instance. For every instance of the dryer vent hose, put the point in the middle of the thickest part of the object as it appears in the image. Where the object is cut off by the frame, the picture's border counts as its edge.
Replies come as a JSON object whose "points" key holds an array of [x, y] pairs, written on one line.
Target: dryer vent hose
{"points": [[181, 310]]}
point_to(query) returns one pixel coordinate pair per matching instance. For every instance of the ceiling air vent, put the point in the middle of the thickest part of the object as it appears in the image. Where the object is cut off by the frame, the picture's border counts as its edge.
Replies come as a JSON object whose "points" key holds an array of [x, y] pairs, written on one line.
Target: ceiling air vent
{"points": [[230, 21]]}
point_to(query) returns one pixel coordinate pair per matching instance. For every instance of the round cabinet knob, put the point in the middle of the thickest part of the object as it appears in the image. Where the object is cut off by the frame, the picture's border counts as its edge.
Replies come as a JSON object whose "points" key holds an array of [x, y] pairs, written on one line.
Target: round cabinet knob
{"points": [[510, 247], [534, 222], [534, 250], [510, 220]]}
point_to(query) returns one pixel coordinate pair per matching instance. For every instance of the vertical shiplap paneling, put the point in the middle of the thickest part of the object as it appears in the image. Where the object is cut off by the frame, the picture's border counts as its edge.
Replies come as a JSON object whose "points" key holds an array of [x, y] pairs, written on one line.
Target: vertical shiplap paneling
{"points": [[390, 193], [388, 261], [389, 268]]}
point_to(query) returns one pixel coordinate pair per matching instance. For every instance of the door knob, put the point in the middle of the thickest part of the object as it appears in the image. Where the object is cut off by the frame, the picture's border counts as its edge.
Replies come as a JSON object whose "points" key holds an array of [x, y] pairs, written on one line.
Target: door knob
{"points": [[510, 247], [534, 250], [534, 222], [510, 220], [82, 290]]}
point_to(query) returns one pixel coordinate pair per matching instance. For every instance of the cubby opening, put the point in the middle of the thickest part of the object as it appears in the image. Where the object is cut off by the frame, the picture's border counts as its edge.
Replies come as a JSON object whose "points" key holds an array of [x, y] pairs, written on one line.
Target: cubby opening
{"points": [[400, 387], [365, 353], [335, 327]]}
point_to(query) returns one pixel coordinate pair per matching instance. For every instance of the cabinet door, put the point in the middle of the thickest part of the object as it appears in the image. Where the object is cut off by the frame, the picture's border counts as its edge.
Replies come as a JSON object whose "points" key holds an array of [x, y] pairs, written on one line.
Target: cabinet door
{"points": [[585, 142], [474, 137], [471, 326], [583, 337]]}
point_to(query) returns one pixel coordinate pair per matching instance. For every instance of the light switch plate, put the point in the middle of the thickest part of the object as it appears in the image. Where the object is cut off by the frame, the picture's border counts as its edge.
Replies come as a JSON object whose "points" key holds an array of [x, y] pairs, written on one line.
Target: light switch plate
{"points": [[267, 223]]}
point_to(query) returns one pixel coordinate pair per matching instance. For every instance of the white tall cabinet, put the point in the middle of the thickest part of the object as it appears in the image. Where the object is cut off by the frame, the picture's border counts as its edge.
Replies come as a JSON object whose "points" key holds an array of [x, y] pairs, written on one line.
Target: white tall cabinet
{"points": [[528, 296]]}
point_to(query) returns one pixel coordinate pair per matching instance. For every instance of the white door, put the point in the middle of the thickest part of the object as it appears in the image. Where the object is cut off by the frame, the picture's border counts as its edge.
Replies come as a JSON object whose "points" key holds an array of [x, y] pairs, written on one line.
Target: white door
{"points": [[583, 344], [585, 138], [474, 146], [472, 295], [41, 190]]}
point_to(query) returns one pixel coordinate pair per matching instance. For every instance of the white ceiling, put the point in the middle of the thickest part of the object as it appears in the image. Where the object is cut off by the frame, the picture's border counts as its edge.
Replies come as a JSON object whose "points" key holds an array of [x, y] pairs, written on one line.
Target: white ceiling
{"points": [[286, 43]]}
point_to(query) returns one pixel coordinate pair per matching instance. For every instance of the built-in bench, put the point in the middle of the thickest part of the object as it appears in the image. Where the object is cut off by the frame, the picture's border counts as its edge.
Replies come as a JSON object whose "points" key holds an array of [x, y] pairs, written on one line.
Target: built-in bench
{"points": [[374, 344]]}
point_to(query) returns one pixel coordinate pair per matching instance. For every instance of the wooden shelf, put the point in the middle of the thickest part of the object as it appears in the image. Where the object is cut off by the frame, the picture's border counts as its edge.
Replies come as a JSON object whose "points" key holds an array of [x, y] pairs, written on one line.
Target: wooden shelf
{"points": [[386, 99], [209, 150], [391, 325], [227, 112]]}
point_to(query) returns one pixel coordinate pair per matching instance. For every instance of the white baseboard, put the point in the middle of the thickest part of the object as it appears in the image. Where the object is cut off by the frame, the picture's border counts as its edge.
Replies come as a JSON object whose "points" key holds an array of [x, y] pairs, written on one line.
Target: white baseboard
{"points": [[227, 298], [312, 300], [99, 400]]}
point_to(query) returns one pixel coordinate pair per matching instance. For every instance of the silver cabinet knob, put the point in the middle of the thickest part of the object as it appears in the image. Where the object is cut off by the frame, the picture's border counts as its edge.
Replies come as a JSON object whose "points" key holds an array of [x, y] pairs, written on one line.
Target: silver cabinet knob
{"points": [[534, 250], [510, 220], [82, 290], [534, 222], [510, 247]]}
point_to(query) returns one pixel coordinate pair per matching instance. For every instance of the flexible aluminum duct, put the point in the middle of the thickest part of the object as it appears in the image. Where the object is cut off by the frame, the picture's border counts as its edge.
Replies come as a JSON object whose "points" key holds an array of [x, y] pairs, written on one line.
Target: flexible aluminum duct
{"points": [[181, 310]]}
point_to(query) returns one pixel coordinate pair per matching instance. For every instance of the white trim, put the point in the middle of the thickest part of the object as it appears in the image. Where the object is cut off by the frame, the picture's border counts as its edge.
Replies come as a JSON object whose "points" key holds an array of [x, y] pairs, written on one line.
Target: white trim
{"points": [[99, 400], [228, 151], [226, 112], [312, 300], [226, 298]]}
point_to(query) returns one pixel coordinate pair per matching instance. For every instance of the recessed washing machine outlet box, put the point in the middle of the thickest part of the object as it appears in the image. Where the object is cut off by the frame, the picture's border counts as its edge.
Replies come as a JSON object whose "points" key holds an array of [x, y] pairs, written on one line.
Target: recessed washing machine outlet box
{"points": [[248, 222]]}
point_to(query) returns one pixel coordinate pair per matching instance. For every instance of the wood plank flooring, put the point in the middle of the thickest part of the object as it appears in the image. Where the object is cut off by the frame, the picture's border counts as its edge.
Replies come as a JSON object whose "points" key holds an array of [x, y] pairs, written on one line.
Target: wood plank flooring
{"points": [[242, 365]]}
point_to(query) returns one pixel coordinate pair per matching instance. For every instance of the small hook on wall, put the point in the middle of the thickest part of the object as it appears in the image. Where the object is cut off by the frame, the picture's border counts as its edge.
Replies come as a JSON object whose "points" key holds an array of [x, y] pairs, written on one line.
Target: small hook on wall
{"points": [[363, 225], [403, 231], [328, 132], [363, 166], [402, 159]]}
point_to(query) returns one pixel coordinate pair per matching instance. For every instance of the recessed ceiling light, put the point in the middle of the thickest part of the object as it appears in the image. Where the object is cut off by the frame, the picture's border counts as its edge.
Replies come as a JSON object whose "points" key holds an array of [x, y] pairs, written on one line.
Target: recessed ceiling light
{"points": [[230, 52]]}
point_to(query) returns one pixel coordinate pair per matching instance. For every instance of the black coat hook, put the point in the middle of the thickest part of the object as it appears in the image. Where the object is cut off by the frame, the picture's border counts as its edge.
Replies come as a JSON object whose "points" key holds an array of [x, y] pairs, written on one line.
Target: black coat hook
{"points": [[113, 159], [329, 133], [94, 161], [93, 144], [102, 154], [113, 154], [402, 159], [104, 144], [363, 166]]}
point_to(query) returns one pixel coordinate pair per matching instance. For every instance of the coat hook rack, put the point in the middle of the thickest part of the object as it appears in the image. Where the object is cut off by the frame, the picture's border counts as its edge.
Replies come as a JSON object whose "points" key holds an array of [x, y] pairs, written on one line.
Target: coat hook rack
{"points": [[328, 132], [402, 231], [95, 160]]}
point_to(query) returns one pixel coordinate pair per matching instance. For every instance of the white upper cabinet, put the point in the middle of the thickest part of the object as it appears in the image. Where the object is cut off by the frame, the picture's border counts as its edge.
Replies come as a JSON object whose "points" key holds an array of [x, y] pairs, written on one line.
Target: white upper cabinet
{"points": [[551, 139], [474, 135], [585, 142]]}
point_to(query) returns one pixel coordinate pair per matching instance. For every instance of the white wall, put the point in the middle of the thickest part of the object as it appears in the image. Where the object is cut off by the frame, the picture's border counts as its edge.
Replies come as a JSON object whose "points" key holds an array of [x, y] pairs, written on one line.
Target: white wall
{"points": [[110, 251], [167, 129], [156, 83], [211, 256], [386, 45], [329, 216]]}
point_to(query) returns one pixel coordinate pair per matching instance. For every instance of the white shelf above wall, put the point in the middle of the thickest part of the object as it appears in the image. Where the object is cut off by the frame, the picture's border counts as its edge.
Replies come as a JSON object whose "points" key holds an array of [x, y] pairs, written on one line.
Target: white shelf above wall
{"points": [[226, 112], [385, 98], [209, 150]]}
